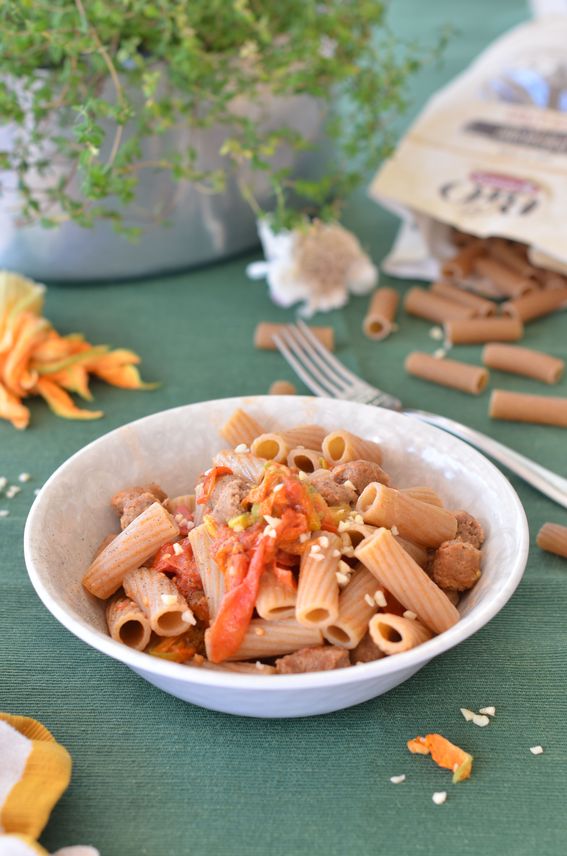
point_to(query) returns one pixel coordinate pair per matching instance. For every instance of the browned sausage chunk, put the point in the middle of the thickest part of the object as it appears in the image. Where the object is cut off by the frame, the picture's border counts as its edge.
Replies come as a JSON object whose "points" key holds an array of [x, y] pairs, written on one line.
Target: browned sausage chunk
{"points": [[313, 660], [456, 565], [360, 474], [366, 651], [226, 499], [332, 492], [129, 503], [469, 529]]}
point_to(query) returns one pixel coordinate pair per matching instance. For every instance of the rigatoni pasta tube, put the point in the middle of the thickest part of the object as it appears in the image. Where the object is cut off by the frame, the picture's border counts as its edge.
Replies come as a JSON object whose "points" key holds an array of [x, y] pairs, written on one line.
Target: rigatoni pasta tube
{"points": [[317, 601], [127, 623], [159, 599], [240, 428], [417, 521], [424, 494], [274, 638], [242, 464], [275, 599], [461, 265], [394, 634], [418, 554], [399, 574], [380, 314], [511, 256], [211, 575], [306, 460], [427, 305], [467, 378], [282, 387], [355, 532], [271, 447], [340, 447], [507, 281], [553, 538], [536, 304], [481, 306], [523, 361], [265, 332], [129, 550], [475, 330], [356, 608], [310, 436], [517, 407]]}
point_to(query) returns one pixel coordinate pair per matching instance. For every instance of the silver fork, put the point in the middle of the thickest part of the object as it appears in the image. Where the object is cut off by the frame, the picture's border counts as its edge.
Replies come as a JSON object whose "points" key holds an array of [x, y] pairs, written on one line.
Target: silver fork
{"points": [[328, 377]]}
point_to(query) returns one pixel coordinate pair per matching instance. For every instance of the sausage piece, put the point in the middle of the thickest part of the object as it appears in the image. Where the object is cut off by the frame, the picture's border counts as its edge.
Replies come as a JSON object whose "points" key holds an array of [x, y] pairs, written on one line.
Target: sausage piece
{"points": [[360, 474], [313, 660], [129, 503], [332, 492], [469, 529], [456, 565], [366, 651]]}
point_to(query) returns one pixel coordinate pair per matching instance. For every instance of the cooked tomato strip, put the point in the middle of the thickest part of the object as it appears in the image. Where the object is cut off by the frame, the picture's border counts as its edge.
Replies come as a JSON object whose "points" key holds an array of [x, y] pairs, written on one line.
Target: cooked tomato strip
{"points": [[213, 475]]}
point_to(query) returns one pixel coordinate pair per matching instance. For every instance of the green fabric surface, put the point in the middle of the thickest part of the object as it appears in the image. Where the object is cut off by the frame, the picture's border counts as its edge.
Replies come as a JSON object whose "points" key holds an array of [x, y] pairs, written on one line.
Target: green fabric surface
{"points": [[153, 775]]}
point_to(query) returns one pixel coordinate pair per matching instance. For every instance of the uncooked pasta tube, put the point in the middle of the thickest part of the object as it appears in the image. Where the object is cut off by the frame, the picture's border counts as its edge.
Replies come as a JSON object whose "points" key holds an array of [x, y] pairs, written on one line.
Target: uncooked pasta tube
{"points": [[416, 521], [240, 428], [461, 265], [130, 549], [507, 281], [517, 407], [399, 574], [512, 256], [282, 387], [306, 460], [424, 494], [273, 638], [427, 305], [394, 634], [476, 330], [340, 447], [356, 608], [481, 306], [553, 538], [536, 304], [471, 379], [242, 464], [127, 623], [265, 331], [381, 312], [160, 600], [276, 597], [317, 601], [212, 578], [523, 361]]}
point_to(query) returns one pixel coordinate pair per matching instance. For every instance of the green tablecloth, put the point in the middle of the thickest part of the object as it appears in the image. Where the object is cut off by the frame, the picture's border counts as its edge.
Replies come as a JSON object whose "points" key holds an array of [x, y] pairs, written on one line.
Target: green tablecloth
{"points": [[155, 776]]}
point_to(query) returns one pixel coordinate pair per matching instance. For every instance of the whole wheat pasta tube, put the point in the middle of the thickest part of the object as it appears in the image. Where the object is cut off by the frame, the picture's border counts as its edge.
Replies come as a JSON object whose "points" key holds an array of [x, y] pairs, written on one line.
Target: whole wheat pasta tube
{"points": [[242, 464], [553, 538], [511, 256], [274, 638], [355, 532], [418, 554], [536, 304], [394, 634], [380, 314], [306, 460], [159, 599], [244, 668], [476, 330], [461, 265], [310, 436], [127, 623], [481, 306], [425, 304], [275, 600], [340, 447], [240, 428], [129, 550], [451, 373], [424, 494], [317, 601], [409, 584], [185, 501], [265, 331], [356, 608], [282, 387], [416, 521], [517, 407], [524, 361], [271, 447], [211, 575], [507, 281]]}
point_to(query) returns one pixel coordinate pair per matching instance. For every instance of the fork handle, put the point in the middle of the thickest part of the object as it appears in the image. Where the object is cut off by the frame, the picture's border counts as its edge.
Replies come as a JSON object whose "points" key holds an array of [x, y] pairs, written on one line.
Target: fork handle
{"points": [[548, 483]]}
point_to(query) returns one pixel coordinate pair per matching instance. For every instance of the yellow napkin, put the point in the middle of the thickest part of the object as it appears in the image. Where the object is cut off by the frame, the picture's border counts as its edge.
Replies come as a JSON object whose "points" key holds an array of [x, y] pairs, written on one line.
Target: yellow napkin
{"points": [[34, 772]]}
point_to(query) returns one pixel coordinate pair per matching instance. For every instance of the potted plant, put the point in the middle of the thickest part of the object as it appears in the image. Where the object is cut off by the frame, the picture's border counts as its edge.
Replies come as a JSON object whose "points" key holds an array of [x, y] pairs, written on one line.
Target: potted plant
{"points": [[182, 121]]}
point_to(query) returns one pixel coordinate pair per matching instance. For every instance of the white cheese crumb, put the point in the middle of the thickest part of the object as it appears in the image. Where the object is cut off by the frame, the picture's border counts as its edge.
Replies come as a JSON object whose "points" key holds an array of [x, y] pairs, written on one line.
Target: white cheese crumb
{"points": [[439, 353], [4, 512], [439, 797], [278, 487], [536, 750], [436, 333], [177, 549], [305, 537], [188, 617], [394, 530], [397, 780], [169, 599], [481, 721], [336, 553], [344, 525], [369, 600], [259, 631], [317, 557], [468, 714], [208, 472], [302, 476], [348, 483], [348, 551], [342, 579], [273, 521], [12, 491], [410, 615], [490, 711], [358, 518], [324, 541], [316, 548], [3, 482], [242, 448], [24, 477], [380, 598], [270, 532], [260, 665], [344, 568]]}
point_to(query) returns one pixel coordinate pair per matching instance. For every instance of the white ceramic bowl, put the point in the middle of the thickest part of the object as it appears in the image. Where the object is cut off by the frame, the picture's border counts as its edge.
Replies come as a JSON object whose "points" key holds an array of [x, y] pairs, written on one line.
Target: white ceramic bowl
{"points": [[71, 515]]}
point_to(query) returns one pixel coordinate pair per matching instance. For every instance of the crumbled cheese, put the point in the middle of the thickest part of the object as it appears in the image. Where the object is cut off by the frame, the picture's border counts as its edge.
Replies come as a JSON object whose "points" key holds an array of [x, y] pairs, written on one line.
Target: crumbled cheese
{"points": [[344, 568], [302, 476], [278, 487], [188, 617], [242, 448], [490, 711], [358, 518], [342, 579], [397, 780], [169, 599], [316, 548], [348, 551], [198, 660], [260, 665], [4, 512], [259, 631], [166, 556], [336, 553], [481, 721], [468, 714], [324, 541], [439, 353], [536, 750], [305, 537], [369, 600], [24, 477], [344, 525], [436, 333], [394, 530], [270, 532], [12, 491], [409, 614], [179, 517], [208, 472], [273, 521], [178, 549], [439, 797], [3, 482], [348, 483], [317, 557], [380, 598]]}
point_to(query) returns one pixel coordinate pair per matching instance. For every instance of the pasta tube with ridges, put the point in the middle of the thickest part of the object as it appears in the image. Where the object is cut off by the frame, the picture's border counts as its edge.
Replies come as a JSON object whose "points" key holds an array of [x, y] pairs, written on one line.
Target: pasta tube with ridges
{"points": [[127, 623], [160, 600], [340, 447], [317, 601], [523, 361], [240, 428], [275, 600], [356, 608], [394, 634], [553, 538], [274, 638], [416, 521]]}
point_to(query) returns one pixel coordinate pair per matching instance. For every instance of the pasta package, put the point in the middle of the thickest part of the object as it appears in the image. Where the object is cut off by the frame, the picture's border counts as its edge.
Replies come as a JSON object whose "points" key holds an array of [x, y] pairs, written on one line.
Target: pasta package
{"points": [[487, 156]]}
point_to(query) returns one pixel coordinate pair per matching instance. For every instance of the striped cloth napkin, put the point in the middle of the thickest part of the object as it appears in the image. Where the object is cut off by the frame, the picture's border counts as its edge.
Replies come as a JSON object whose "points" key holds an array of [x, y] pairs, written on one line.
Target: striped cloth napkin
{"points": [[34, 772]]}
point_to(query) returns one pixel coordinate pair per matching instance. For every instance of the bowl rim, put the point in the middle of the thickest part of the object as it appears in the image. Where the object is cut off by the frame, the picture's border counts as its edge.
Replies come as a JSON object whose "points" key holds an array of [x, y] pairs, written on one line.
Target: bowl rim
{"points": [[415, 658]]}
